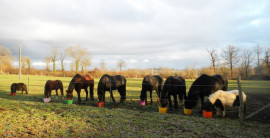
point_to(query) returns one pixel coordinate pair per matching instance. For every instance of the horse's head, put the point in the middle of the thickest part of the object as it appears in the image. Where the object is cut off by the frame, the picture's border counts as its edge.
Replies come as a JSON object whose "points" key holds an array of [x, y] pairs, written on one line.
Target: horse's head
{"points": [[189, 103], [208, 106], [163, 102], [143, 95], [69, 94]]}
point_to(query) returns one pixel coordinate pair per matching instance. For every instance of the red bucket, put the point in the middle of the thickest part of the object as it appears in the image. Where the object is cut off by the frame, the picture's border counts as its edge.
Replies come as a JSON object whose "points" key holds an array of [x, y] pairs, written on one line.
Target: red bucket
{"points": [[12, 94], [207, 114], [100, 104]]}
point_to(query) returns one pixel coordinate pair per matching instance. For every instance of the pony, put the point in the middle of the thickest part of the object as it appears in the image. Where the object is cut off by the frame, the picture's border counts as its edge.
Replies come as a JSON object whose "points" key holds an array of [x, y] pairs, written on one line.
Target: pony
{"points": [[110, 83], [53, 85], [204, 86], [174, 85], [79, 82], [151, 83], [18, 87], [221, 99]]}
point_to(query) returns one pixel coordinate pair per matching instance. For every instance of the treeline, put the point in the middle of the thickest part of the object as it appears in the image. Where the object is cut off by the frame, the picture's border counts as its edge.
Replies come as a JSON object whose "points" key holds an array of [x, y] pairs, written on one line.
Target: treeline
{"points": [[250, 63]]}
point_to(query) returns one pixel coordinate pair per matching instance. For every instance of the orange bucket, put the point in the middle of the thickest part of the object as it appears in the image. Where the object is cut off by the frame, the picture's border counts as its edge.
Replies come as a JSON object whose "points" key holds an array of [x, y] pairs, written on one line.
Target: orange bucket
{"points": [[12, 94], [187, 111], [162, 110], [100, 104], [207, 114]]}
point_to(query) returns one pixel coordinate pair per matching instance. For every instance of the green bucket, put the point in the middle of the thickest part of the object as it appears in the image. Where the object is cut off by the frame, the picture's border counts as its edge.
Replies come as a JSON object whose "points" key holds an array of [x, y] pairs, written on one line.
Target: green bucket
{"points": [[69, 101]]}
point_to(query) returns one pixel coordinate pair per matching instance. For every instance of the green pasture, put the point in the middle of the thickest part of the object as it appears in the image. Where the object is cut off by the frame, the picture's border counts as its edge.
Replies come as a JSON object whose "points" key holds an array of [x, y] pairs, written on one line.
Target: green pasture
{"points": [[24, 116]]}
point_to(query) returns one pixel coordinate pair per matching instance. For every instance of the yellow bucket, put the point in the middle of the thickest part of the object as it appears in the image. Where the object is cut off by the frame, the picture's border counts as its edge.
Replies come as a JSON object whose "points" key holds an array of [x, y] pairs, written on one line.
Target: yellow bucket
{"points": [[187, 111], [162, 110]]}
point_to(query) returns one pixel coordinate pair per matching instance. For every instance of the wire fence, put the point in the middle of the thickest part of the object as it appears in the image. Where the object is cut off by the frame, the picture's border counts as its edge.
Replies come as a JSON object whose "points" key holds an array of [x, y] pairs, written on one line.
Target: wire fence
{"points": [[137, 89]]}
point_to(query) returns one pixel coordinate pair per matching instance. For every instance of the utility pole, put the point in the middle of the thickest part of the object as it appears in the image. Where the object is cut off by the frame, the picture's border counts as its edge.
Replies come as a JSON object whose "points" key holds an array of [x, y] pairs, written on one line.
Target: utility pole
{"points": [[20, 59]]}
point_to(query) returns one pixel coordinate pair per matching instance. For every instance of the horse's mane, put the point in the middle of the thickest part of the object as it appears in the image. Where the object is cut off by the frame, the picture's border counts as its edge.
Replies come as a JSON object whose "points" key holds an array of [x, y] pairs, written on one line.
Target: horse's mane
{"points": [[213, 97]]}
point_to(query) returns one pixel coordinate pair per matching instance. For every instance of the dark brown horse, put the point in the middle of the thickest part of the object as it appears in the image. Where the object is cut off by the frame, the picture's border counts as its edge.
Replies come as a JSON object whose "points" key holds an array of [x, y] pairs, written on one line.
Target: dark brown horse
{"points": [[53, 85], [79, 82], [18, 87]]}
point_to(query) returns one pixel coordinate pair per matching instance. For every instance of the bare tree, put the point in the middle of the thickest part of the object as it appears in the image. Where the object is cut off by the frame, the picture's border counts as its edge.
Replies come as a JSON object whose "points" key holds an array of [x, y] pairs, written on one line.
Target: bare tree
{"points": [[62, 58], [5, 59], [77, 53], [26, 63], [85, 62], [247, 59], [258, 51], [213, 54], [230, 55], [54, 57], [267, 59], [48, 60], [102, 65], [121, 64]]}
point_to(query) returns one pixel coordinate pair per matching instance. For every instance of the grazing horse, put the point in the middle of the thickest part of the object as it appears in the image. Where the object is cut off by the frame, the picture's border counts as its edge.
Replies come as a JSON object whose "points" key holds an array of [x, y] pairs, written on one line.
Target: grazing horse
{"points": [[18, 87], [151, 83], [173, 86], [204, 86], [222, 99], [53, 85], [110, 83], [79, 82]]}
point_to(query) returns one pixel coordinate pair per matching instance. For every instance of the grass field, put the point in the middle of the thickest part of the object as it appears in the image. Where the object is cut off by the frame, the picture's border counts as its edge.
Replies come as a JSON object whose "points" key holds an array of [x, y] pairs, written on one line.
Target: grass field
{"points": [[24, 116]]}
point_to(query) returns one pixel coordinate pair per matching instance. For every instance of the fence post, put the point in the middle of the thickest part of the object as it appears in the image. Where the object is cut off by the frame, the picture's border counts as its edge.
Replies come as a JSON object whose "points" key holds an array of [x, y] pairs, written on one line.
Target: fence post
{"points": [[241, 108]]}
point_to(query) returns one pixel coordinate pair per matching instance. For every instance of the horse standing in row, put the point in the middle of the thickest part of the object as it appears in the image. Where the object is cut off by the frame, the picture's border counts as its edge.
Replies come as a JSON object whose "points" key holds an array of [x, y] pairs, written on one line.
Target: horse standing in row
{"points": [[18, 87], [110, 83], [53, 85], [173, 86], [204, 86], [79, 82], [151, 83]]}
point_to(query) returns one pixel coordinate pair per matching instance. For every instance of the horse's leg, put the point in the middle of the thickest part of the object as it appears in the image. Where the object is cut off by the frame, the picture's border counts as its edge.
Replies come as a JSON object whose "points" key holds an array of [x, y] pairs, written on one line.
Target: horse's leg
{"points": [[92, 93], [62, 93], [151, 96], [175, 101], [112, 96], [56, 94], [202, 102], [86, 92], [79, 97], [170, 101]]}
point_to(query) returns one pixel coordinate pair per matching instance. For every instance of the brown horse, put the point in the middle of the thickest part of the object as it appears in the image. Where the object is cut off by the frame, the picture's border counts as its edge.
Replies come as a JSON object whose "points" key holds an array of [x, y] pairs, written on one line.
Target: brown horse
{"points": [[79, 82], [53, 85], [18, 87]]}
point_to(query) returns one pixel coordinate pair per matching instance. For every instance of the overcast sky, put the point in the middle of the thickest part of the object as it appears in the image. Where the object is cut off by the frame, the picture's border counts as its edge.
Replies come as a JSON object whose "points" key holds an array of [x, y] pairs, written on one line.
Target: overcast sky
{"points": [[144, 33]]}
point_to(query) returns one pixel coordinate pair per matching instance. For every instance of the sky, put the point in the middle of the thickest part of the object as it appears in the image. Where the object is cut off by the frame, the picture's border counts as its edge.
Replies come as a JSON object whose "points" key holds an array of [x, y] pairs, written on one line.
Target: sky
{"points": [[143, 33]]}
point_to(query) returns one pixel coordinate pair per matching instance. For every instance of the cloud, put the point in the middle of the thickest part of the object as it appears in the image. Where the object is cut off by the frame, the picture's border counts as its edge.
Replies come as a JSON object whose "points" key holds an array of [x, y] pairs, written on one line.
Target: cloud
{"points": [[166, 33]]}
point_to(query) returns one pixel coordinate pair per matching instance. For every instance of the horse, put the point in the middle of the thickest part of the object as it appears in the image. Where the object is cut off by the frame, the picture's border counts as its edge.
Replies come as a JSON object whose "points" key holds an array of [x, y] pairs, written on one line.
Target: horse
{"points": [[110, 83], [18, 87], [204, 86], [53, 85], [174, 85], [221, 99], [79, 82], [151, 83]]}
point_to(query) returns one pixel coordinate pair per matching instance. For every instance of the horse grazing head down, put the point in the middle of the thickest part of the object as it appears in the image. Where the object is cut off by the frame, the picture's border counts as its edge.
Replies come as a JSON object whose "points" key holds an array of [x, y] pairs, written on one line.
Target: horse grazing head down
{"points": [[221, 99]]}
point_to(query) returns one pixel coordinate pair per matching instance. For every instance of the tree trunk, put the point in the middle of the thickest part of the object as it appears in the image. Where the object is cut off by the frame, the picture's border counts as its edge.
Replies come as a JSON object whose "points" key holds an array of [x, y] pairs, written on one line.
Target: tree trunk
{"points": [[77, 66], [53, 66], [62, 65]]}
